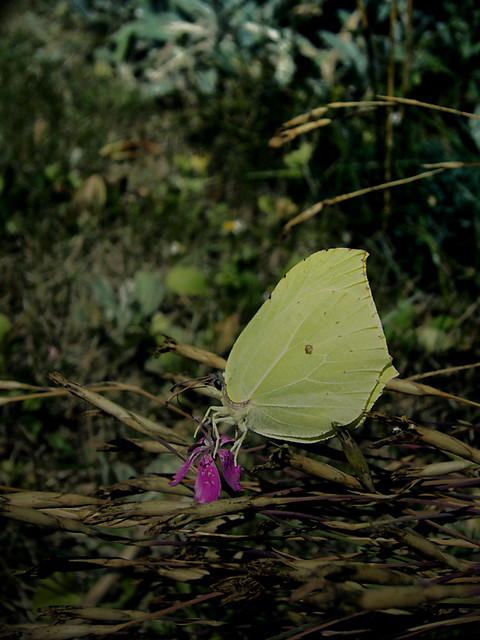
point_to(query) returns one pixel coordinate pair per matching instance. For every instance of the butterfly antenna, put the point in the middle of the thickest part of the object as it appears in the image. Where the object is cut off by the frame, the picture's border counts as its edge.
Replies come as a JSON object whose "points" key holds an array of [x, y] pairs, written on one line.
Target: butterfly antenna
{"points": [[185, 385]]}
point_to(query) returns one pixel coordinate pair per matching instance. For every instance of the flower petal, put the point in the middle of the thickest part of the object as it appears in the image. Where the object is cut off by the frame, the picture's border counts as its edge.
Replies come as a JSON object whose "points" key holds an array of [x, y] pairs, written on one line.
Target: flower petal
{"points": [[207, 484], [182, 472], [200, 443], [231, 471]]}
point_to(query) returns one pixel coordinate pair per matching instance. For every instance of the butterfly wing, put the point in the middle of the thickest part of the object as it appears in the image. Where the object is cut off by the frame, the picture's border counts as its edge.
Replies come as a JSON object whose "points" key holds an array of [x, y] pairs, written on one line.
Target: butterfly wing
{"points": [[314, 356]]}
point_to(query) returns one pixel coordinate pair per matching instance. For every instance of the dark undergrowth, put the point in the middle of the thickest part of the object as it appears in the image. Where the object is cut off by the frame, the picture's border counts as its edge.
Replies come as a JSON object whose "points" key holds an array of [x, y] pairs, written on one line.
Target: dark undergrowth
{"points": [[136, 204]]}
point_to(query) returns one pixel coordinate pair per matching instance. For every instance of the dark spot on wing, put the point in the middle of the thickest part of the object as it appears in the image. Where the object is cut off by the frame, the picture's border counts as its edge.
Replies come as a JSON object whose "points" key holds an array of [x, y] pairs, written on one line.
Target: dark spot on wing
{"points": [[308, 349]]}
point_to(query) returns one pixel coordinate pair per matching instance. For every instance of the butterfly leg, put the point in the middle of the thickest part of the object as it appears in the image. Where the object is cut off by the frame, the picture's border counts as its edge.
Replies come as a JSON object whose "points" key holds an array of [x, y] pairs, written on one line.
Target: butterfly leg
{"points": [[212, 416], [207, 418], [238, 441]]}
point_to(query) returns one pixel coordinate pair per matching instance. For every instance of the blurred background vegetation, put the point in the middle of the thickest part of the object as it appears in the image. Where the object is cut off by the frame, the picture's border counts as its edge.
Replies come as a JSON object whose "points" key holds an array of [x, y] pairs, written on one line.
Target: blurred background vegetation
{"points": [[140, 196]]}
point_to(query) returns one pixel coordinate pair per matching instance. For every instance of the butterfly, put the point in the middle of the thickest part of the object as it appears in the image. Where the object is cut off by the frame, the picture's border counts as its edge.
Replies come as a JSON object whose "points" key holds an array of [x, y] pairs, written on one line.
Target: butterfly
{"points": [[313, 358]]}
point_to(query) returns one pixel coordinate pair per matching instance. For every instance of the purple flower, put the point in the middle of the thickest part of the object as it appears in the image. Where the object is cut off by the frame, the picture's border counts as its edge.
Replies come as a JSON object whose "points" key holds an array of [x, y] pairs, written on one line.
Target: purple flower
{"points": [[208, 482]]}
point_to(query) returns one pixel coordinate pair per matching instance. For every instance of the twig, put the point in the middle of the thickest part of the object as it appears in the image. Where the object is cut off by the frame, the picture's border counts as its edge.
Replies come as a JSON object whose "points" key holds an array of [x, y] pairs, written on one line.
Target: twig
{"points": [[316, 208]]}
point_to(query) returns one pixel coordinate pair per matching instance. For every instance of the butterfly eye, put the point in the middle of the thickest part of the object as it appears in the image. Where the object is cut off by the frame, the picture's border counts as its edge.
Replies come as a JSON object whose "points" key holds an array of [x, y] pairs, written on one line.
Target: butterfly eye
{"points": [[218, 381]]}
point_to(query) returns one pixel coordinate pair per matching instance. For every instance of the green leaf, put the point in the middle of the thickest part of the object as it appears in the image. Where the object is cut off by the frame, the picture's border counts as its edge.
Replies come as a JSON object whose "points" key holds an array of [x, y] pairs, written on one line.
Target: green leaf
{"points": [[150, 291], [5, 326], [207, 81], [400, 321], [433, 339], [187, 281], [104, 296], [53, 170], [298, 159], [127, 296], [435, 336], [159, 326], [347, 49], [58, 589], [195, 9]]}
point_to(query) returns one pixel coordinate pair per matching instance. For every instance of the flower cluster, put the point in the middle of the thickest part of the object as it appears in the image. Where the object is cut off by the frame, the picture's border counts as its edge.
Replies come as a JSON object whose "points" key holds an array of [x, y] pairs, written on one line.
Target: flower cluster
{"points": [[208, 482]]}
